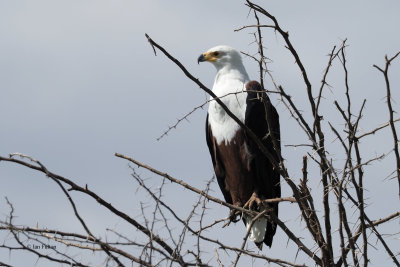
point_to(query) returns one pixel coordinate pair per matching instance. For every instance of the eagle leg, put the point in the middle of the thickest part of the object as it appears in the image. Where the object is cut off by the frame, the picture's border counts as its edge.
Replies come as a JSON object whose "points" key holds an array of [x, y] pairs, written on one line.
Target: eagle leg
{"points": [[253, 199]]}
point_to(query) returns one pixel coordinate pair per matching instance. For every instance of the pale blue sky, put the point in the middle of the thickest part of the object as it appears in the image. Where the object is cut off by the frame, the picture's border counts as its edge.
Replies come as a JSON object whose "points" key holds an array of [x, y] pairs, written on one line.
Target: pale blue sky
{"points": [[79, 82]]}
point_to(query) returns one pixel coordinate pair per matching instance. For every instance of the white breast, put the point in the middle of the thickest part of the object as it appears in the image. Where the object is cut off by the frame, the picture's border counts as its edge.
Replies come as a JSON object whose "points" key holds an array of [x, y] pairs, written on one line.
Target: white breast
{"points": [[232, 94]]}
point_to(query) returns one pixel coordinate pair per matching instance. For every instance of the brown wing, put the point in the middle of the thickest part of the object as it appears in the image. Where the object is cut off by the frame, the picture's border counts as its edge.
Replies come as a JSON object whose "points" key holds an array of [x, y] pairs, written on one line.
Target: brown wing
{"points": [[259, 112], [219, 167]]}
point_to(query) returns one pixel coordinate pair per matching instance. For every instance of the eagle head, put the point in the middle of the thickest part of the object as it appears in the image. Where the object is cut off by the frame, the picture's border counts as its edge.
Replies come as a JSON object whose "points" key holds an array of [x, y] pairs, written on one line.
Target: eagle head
{"points": [[220, 56]]}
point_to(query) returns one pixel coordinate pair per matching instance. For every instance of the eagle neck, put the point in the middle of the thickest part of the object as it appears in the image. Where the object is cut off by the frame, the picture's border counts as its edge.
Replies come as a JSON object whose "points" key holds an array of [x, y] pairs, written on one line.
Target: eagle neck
{"points": [[229, 71]]}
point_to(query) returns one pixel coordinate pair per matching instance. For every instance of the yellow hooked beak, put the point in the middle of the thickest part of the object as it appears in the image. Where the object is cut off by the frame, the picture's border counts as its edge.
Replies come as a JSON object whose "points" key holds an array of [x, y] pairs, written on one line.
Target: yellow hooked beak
{"points": [[208, 56]]}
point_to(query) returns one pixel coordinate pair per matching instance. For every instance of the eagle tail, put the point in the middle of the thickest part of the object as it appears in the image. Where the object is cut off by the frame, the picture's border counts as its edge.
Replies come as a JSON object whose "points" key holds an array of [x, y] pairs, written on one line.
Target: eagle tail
{"points": [[257, 231]]}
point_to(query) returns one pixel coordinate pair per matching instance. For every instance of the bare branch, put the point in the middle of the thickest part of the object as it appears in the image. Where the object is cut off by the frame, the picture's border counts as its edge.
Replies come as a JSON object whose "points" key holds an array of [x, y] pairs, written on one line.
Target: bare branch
{"points": [[385, 73]]}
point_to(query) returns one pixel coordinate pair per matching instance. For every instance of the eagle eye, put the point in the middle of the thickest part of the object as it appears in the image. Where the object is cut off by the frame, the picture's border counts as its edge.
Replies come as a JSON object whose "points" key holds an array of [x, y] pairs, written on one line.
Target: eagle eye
{"points": [[216, 54]]}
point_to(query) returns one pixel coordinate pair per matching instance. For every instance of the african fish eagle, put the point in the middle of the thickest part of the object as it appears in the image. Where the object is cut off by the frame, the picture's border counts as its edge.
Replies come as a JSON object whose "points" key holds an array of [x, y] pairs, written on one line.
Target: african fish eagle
{"points": [[244, 173]]}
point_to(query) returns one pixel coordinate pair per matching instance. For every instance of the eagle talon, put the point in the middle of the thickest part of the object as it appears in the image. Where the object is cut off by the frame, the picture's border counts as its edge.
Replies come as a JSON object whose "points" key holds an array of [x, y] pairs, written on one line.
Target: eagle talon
{"points": [[250, 203], [233, 214]]}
